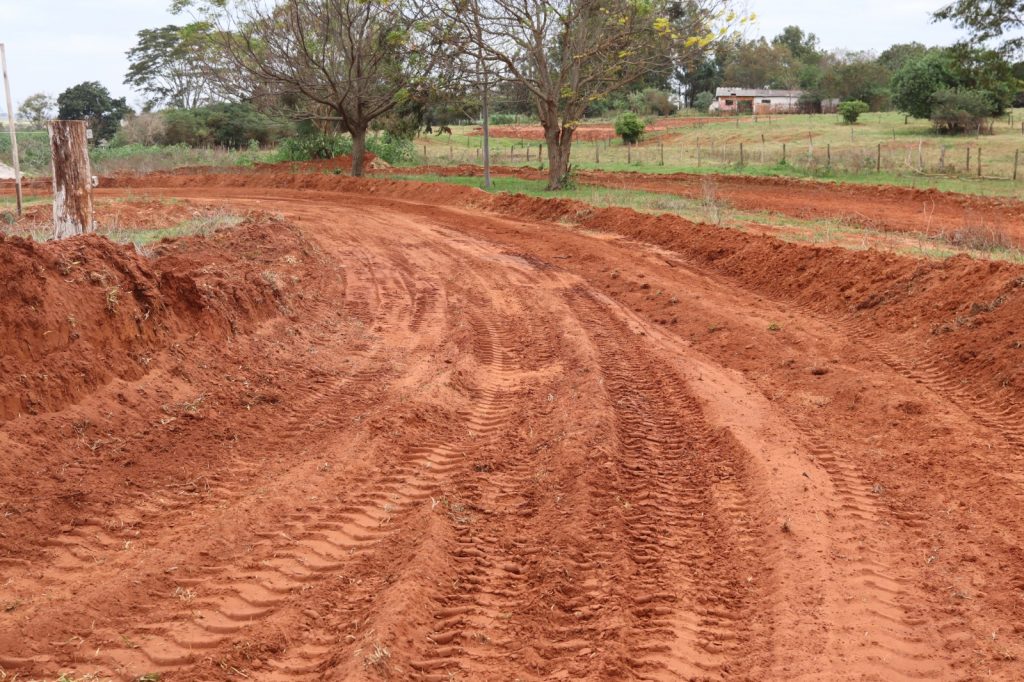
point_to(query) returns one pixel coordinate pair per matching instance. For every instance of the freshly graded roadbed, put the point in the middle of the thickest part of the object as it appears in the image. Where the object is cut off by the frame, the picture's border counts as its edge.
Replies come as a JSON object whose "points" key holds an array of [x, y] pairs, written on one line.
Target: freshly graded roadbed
{"points": [[393, 430]]}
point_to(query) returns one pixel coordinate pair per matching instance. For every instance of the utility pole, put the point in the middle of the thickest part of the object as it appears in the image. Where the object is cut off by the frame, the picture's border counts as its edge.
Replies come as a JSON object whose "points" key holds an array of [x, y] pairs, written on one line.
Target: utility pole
{"points": [[13, 131], [485, 110]]}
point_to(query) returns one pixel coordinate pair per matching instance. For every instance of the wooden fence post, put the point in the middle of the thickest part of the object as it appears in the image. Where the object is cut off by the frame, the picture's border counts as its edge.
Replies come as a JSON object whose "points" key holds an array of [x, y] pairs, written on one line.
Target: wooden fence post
{"points": [[661, 149], [597, 152], [1016, 160], [828, 156], [629, 153], [72, 178], [783, 152], [741, 153], [878, 159], [15, 161], [968, 159], [698, 153], [979, 162]]}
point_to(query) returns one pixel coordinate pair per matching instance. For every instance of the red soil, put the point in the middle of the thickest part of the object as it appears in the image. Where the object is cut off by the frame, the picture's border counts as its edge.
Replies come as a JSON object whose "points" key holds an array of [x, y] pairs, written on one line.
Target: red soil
{"points": [[880, 207], [494, 437]]}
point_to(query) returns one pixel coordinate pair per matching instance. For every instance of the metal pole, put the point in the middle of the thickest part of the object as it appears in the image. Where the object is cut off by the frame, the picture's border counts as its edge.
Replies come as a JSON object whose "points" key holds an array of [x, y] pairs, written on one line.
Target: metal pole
{"points": [[13, 131]]}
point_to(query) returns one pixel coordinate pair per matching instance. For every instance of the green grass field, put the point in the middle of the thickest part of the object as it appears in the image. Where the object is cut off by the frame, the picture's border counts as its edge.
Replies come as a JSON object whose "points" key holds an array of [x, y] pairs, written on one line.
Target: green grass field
{"points": [[880, 149], [816, 146]]}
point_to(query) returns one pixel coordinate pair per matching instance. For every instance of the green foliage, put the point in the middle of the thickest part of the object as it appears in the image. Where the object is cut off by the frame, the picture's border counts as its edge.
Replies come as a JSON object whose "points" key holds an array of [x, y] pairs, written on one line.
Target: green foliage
{"points": [[629, 127], [92, 102], [957, 68], [852, 109], [915, 83], [169, 64], [226, 125], [502, 119], [987, 20], [391, 148], [314, 146], [703, 101], [33, 152], [960, 111], [858, 77], [37, 109]]}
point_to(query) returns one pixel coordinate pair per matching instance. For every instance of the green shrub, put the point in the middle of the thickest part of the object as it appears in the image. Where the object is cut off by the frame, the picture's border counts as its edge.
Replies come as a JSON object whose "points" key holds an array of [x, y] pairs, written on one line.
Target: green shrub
{"points": [[959, 111], [392, 149], [502, 119], [33, 151], [852, 109], [703, 101], [313, 146], [230, 125], [629, 127], [659, 102]]}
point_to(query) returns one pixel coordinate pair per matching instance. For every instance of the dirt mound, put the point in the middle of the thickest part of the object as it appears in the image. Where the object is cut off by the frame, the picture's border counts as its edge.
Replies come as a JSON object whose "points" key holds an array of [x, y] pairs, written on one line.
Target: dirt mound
{"points": [[990, 221], [77, 313]]}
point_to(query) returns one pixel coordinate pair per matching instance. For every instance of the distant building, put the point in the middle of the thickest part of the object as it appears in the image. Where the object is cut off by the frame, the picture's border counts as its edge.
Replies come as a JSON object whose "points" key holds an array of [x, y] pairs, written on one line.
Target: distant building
{"points": [[757, 101]]}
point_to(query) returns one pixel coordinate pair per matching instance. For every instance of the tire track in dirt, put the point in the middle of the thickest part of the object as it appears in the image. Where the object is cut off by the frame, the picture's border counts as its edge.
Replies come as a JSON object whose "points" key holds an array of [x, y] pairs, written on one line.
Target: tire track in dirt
{"points": [[309, 547], [319, 408], [687, 533]]}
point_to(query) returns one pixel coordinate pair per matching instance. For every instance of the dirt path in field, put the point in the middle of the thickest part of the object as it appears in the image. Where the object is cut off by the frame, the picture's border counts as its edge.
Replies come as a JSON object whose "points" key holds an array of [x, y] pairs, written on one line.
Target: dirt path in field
{"points": [[479, 446], [963, 217]]}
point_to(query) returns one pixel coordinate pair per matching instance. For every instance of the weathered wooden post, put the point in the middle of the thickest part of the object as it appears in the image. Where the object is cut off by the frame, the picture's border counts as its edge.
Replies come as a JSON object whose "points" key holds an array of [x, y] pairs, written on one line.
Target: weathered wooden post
{"points": [[15, 161], [72, 178], [1016, 160]]}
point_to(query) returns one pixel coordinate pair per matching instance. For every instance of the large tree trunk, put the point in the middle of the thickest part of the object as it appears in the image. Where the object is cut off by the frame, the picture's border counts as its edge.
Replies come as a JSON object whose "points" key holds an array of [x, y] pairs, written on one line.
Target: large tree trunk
{"points": [[559, 140], [358, 151], [72, 178]]}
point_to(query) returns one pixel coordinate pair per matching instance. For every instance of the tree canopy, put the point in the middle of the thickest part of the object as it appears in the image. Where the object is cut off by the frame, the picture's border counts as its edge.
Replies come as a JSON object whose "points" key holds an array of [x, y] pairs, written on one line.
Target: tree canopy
{"points": [[92, 102], [171, 65]]}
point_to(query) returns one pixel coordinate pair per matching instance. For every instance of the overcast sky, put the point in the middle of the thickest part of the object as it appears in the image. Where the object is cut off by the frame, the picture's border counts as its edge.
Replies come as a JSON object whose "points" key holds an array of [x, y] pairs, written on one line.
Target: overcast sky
{"points": [[54, 44]]}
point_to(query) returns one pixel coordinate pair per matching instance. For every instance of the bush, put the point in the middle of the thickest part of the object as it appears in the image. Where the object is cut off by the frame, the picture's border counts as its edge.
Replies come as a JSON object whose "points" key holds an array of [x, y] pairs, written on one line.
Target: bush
{"points": [[33, 151], [392, 149], [226, 125], [703, 101], [629, 127], [659, 102], [313, 146], [852, 109], [650, 102], [502, 119], [958, 111]]}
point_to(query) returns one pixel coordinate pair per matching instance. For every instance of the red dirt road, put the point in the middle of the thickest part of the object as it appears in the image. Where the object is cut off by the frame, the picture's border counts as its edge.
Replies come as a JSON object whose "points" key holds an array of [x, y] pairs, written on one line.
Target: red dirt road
{"points": [[437, 434]]}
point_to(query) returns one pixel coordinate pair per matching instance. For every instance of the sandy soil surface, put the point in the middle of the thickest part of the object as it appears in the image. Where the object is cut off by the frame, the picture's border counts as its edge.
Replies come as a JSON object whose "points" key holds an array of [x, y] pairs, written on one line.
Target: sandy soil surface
{"points": [[398, 431]]}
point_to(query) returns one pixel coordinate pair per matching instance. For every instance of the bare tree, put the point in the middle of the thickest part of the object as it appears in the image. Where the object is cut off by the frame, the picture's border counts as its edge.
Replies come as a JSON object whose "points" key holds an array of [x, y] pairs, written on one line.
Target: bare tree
{"points": [[567, 53], [344, 61]]}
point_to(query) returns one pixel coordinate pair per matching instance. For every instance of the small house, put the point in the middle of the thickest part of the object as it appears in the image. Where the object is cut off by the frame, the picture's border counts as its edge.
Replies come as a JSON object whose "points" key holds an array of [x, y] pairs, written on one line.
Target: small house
{"points": [[756, 101]]}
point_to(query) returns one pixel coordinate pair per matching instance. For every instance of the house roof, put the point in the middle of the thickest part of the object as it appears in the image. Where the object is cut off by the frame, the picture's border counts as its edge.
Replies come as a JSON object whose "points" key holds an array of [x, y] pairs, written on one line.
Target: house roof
{"points": [[756, 92]]}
